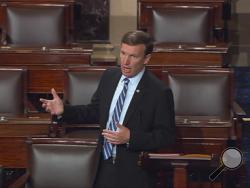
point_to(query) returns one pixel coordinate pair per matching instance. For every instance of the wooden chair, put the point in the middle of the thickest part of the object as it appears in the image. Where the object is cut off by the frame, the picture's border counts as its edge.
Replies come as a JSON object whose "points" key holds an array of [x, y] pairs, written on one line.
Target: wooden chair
{"points": [[186, 21], [205, 107], [207, 122], [60, 162], [168, 24], [33, 24], [81, 83], [186, 33], [12, 91]]}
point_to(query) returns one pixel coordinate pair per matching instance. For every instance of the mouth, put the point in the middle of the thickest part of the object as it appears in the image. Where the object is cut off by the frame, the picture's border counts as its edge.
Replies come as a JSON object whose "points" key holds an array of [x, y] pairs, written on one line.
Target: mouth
{"points": [[126, 69]]}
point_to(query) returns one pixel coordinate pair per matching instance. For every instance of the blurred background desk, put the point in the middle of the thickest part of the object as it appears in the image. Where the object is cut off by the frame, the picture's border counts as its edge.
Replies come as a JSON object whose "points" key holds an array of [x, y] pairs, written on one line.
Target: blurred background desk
{"points": [[13, 133]]}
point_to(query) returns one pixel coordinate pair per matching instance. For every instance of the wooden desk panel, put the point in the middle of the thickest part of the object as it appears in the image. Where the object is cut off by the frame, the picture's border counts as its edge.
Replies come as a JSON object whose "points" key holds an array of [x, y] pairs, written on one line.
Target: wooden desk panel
{"points": [[199, 146], [181, 165], [199, 132], [186, 59], [45, 66], [14, 56], [190, 55], [13, 134], [13, 152], [200, 140], [42, 78]]}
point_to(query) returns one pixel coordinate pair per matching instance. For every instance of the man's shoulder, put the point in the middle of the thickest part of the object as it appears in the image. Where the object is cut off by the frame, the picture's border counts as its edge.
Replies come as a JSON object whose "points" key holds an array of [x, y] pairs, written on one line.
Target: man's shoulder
{"points": [[155, 81], [112, 70], [157, 86], [111, 73]]}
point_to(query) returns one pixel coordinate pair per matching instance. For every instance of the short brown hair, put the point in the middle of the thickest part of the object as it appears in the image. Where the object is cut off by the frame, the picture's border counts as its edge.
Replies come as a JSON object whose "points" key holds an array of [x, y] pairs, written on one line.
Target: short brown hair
{"points": [[139, 37]]}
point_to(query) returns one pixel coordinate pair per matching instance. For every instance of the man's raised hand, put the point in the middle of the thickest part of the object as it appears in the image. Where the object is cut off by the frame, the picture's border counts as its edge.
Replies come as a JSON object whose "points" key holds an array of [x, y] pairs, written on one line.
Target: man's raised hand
{"points": [[54, 106]]}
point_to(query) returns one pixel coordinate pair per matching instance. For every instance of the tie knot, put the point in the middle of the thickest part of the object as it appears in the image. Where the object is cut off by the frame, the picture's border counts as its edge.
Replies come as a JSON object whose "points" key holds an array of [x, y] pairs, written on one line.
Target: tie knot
{"points": [[126, 81]]}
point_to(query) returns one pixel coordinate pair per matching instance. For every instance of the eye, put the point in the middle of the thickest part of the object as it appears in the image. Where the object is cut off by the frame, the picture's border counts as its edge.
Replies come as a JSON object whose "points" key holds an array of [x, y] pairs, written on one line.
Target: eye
{"points": [[134, 57], [122, 53]]}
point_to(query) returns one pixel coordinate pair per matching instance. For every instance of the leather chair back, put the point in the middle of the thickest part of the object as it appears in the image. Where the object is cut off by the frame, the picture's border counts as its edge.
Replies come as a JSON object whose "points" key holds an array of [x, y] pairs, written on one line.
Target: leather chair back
{"points": [[12, 91], [201, 92], [179, 24], [81, 84], [39, 26], [62, 163]]}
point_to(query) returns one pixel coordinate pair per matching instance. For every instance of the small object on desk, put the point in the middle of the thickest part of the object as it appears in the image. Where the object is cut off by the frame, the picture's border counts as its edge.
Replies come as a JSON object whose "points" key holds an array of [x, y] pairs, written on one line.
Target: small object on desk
{"points": [[194, 121], [77, 48], [185, 121], [43, 48], [34, 117], [5, 47], [246, 119], [211, 46], [3, 119], [163, 155]]}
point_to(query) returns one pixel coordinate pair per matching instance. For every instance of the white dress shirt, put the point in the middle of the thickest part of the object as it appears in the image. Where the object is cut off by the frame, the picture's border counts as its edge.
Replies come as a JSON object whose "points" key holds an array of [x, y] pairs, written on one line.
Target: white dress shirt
{"points": [[133, 82]]}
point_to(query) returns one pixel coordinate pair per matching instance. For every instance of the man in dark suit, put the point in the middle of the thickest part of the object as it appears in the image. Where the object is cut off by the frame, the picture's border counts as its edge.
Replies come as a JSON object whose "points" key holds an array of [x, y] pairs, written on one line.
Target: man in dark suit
{"points": [[146, 121]]}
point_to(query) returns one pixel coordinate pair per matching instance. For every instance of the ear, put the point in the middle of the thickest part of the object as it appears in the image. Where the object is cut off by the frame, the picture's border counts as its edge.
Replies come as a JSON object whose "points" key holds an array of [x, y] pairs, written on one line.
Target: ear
{"points": [[147, 58]]}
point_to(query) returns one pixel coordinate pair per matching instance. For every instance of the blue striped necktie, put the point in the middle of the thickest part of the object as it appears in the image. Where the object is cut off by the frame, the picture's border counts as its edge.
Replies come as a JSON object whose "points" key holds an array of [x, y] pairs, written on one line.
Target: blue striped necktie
{"points": [[108, 147]]}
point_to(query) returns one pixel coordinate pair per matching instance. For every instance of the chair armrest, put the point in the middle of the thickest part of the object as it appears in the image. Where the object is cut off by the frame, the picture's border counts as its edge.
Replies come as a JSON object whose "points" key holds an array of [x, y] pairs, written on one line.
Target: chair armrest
{"points": [[3, 40], [20, 182], [238, 110], [238, 116]]}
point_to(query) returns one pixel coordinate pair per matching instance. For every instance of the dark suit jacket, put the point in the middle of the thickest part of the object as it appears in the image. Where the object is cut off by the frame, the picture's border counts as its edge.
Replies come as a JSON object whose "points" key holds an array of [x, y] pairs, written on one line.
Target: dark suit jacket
{"points": [[150, 118]]}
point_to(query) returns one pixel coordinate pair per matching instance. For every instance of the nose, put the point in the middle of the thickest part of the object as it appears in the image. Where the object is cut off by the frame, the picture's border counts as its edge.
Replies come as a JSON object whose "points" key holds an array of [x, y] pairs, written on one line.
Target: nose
{"points": [[126, 60]]}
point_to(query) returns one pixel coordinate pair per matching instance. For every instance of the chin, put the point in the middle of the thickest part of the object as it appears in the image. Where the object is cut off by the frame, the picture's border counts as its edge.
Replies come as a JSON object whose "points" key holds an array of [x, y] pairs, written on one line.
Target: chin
{"points": [[126, 73]]}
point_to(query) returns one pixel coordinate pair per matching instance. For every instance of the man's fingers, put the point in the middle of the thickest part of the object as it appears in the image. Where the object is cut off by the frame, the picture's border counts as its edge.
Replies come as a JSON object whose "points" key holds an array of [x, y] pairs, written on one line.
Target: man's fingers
{"points": [[47, 109], [109, 134], [54, 94], [108, 131], [111, 138], [43, 100], [119, 126]]}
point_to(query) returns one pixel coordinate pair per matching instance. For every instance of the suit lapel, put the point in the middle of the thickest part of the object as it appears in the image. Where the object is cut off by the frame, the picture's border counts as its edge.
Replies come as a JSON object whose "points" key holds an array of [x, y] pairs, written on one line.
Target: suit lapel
{"points": [[137, 97]]}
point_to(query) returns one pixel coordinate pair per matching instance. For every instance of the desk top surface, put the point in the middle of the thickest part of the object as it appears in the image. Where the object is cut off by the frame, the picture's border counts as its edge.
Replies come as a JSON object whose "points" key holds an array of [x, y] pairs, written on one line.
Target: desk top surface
{"points": [[30, 119]]}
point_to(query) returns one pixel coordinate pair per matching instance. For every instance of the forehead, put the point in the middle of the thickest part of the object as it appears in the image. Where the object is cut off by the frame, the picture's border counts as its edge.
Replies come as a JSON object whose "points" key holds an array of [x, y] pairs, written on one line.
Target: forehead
{"points": [[133, 49]]}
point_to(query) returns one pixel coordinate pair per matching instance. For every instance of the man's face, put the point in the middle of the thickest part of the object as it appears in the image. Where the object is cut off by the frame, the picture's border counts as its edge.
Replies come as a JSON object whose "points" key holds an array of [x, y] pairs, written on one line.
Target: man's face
{"points": [[132, 59]]}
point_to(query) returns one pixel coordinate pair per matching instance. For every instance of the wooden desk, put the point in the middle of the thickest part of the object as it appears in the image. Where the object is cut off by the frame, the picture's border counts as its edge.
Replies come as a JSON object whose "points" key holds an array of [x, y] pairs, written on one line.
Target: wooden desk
{"points": [[190, 55], [179, 164], [13, 133], [203, 135], [197, 150], [45, 65]]}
